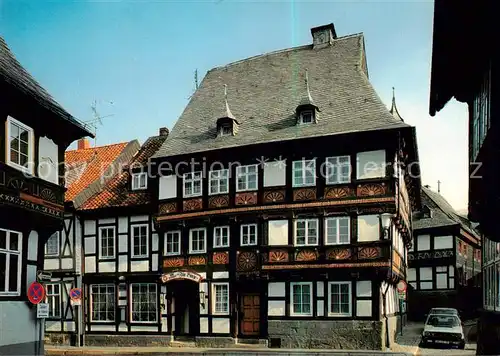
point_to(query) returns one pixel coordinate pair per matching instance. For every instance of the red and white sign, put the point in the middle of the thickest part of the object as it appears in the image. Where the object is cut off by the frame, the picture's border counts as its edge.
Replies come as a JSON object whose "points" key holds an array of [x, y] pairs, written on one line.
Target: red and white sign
{"points": [[36, 293], [401, 286]]}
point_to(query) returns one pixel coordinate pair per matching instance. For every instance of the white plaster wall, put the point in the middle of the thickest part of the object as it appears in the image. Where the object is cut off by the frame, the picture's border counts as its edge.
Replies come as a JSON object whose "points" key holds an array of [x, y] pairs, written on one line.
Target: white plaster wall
{"points": [[122, 243], [139, 218], [320, 289], [364, 308], [122, 224], [107, 221], [154, 262], [51, 264], [90, 245], [67, 263], [24, 320], [278, 232], [48, 159], [168, 187], [33, 246], [52, 325], [69, 326], [220, 275], [204, 308], [276, 289], [371, 164], [123, 327], [143, 328], [364, 289], [154, 239], [90, 266], [276, 307], [89, 227], [78, 245], [442, 242], [103, 327], [139, 266], [204, 325], [220, 326], [107, 267], [275, 174], [320, 307], [368, 228], [30, 275]]}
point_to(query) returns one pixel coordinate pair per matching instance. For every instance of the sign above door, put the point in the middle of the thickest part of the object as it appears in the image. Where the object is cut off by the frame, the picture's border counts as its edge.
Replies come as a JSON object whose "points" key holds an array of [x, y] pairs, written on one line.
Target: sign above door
{"points": [[181, 275]]}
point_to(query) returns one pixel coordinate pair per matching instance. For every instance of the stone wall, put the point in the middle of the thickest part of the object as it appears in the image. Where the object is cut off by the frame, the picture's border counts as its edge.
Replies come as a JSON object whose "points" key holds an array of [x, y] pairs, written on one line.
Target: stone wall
{"points": [[327, 334], [60, 339], [127, 340]]}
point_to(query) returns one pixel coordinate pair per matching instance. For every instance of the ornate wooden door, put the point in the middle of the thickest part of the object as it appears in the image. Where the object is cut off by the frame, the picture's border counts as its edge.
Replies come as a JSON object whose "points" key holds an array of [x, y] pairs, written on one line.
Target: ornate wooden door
{"points": [[250, 319]]}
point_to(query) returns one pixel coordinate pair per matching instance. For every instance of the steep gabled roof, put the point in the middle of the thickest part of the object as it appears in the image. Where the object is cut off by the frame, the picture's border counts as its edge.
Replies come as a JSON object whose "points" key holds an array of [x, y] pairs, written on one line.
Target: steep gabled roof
{"points": [[265, 91], [13, 73], [116, 193]]}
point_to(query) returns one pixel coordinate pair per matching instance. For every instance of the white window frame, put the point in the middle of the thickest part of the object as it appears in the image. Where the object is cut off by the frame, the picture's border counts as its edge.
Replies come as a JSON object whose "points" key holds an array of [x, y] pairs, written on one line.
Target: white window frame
{"points": [[333, 163], [137, 183], [224, 302], [131, 306], [175, 234], [56, 237], [133, 239], [242, 172], [191, 251], [302, 114], [101, 256], [248, 234], [336, 221], [306, 221], [8, 253], [107, 285], [339, 283], [53, 298], [215, 181], [303, 166], [191, 178], [311, 299], [31, 145], [221, 230]]}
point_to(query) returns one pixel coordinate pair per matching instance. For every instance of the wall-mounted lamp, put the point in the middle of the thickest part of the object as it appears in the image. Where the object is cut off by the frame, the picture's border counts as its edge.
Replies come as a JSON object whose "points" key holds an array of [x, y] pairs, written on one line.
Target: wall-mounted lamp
{"points": [[385, 220], [202, 298]]}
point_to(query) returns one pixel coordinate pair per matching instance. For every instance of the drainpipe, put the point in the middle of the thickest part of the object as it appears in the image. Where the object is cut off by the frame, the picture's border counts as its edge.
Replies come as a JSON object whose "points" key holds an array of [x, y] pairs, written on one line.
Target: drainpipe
{"points": [[384, 298]]}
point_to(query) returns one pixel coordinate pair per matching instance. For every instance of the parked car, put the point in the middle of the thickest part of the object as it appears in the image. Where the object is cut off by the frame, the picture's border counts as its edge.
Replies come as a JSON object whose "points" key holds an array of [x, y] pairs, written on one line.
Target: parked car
{"points": [[443, 329], [451, 311]]}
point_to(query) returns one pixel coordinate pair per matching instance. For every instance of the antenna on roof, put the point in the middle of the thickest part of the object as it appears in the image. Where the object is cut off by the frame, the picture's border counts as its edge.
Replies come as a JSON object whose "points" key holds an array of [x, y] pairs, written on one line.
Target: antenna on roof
{"points": [[439, 186], [195, 83], [97, 118]]}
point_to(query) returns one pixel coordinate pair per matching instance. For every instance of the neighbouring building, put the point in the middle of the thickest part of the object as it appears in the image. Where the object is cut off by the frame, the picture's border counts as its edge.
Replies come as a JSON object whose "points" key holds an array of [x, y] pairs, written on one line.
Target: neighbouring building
{"points": [[465, 69], [444, 261], [34, 134], [284, 195]]}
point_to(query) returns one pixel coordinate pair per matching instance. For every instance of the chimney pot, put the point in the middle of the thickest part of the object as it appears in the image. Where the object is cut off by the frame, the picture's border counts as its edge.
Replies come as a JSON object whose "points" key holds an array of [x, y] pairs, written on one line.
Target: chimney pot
{"points": [[164, 131], [323, 35], [83, 143]]}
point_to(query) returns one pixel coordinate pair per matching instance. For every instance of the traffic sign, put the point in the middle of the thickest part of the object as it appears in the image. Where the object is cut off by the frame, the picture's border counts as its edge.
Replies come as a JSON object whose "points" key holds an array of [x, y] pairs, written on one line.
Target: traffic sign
{"points": [[36, 293], [75, 294], [42, 310], [402, 295], [43, 276], [402, 286]]}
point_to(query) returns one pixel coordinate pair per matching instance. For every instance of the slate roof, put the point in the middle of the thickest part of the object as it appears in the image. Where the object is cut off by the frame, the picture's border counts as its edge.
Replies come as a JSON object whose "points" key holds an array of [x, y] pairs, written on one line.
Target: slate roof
{"points": [[12, 72], [264, 92], [117, 191]]}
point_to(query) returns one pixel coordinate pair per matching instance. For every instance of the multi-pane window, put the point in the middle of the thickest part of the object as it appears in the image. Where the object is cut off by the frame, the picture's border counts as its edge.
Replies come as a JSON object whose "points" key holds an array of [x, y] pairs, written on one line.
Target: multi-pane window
{"points": [[140, 240], [10, 262], [337, 230], [306, 117], [53, 298], [102, 299], [219, 181], [301, 298], [52, 245], [197, 240], [192, 184], [248, 234], [20, 147], [306, 232], [144, 306], [221, 236], [481, 114], [139, 181], [107, 242], [339, 298], [304, 173], [221, 298], [246, 178], [173, 243], [338, 170]]}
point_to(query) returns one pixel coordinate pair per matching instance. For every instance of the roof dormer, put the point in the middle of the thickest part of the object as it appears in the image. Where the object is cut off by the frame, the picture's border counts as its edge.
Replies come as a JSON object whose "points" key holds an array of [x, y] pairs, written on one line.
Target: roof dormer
{"points": [[227, 125], [306, 111]]}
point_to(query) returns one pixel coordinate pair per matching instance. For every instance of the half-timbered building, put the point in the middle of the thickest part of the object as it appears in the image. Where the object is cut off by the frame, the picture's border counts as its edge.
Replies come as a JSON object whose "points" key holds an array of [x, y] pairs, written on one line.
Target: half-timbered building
{"points": [[34, 134], [444, 260], [88, 170], [284, 196]]}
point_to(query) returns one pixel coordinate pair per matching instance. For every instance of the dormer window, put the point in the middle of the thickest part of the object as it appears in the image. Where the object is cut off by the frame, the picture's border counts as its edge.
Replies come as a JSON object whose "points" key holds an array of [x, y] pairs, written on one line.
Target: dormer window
{"points": [[225, 131], [139, 181], [307, 117], [226, 127]]}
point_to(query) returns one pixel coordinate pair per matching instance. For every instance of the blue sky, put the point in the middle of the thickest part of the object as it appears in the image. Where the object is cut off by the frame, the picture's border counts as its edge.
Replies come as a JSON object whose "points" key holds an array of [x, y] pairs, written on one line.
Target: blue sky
{"points": [[141, 56]]}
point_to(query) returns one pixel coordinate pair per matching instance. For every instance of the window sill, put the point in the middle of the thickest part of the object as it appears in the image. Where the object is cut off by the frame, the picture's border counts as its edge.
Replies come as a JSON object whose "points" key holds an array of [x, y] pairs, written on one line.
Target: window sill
{"points": [[196, 252], [139, 256], [192, 196], [144, 322], [172, 253], [246, 190], [301, 315], [221, 314], [337, 183], [246, 245], [221, 246], [107, 258], [340, 315], [304, 186], [21, 168], [218, 193], [10, 294]]}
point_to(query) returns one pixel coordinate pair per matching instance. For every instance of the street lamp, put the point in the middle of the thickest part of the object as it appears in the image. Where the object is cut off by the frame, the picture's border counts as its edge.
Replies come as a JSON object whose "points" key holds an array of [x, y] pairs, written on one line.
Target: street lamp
{"points": [[385, 220]]}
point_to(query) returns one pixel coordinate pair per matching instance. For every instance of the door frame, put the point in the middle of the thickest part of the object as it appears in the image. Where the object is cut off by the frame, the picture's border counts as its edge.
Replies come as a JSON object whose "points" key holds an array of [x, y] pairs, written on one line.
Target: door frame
{"points": [[241, 315]]}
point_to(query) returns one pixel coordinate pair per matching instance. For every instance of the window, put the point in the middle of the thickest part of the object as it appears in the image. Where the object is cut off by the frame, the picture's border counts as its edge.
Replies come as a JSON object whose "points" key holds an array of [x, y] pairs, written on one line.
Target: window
{"points": [[107, 242], [197, 240], [219, 181], [221, 298], [339, 298], [53, 298], [481, 114], [173, 243], [192, 184], [337, 231], [371, 164], [248, 234], [306, 232], [301, 298], [304, 173], [221, 236], [225, 130], [246, 178], [144, 302], [306, 117], [445, 277], [20, 153], [52, 245], [10, 262], [140, 241], [102, 299], [338, 170], [139, 181]]}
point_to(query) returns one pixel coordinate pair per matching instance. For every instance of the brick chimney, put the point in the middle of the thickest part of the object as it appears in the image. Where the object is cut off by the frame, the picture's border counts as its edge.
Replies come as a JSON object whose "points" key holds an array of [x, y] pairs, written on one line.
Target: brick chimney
{"points": [[83, 143], [323, 35], [164, 131]]}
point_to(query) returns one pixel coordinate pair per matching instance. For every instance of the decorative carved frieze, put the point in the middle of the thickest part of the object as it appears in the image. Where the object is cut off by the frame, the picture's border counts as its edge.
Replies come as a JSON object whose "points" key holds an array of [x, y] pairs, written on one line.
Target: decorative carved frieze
{"points": [[249, 198], [30, 205], [339, 254], [167, 208], [173, 262], [306, 255], [246, 261], [197, 260], [371, 189], [338, 192], [304, 194], [430, 255], [219, 201], [274, 196], [367, 253], [278, 256], [193, 204], [220, 258]]}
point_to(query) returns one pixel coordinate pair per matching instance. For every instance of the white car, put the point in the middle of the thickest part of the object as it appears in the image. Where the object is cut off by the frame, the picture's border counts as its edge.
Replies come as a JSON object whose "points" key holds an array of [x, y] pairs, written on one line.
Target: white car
{"points": [[443, 329]]}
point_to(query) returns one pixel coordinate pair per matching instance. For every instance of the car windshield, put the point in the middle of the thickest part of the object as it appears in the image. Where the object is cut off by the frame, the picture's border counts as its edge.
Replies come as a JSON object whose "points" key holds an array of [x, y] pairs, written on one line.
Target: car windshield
{"points": [[443, 311], [443, 321]]}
